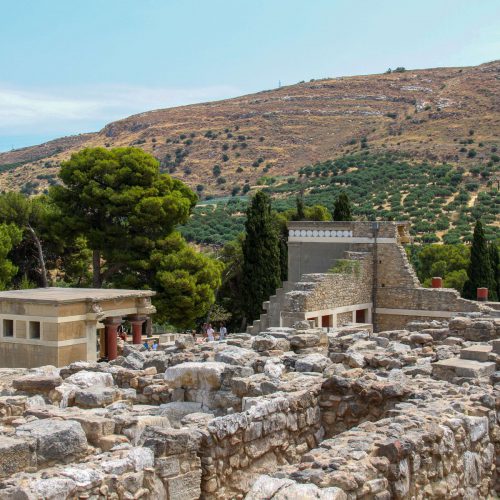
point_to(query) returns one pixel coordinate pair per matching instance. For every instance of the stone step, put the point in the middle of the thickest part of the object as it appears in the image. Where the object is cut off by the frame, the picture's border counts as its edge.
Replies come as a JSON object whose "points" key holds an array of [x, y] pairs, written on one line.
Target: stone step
{"points": [[462, 368], [476, 352], [496, 346]]}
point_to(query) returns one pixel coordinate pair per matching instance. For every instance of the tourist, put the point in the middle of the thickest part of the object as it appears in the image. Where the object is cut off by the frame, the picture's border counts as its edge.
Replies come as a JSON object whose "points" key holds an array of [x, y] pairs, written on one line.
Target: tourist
{"points": [[146, 345], [222, 332], [155, 345], [210, 333]]}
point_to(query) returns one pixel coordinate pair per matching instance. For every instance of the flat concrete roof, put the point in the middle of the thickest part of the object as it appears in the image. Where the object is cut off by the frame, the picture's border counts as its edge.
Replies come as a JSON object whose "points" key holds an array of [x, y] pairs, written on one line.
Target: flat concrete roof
{"points": [[59, 295]]}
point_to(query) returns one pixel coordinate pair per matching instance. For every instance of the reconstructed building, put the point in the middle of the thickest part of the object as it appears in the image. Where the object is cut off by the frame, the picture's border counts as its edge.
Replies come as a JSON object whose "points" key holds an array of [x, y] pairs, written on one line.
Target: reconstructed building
{"points": [[56, 326], [354, 272]]}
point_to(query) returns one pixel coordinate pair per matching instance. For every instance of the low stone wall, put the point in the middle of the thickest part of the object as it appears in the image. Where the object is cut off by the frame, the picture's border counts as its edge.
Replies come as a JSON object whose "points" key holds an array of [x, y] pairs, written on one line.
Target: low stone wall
{"points": [[429, 446], [347, 402], [239, 447]]}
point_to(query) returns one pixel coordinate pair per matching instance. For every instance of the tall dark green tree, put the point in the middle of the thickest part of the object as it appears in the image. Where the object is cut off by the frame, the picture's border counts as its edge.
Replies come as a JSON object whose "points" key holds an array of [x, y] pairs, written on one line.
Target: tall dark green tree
{"points": [[261, 256], [480, 271], [495, 267], [342, 208], [301, 214]]}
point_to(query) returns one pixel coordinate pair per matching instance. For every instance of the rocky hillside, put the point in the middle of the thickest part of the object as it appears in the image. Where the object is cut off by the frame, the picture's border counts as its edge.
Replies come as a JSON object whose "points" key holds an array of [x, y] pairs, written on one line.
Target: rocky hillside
{"points": [[441, 114]]}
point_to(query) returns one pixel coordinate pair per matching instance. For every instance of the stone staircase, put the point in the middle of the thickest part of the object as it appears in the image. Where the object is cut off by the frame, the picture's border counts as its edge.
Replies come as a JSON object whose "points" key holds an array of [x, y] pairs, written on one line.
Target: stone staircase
{"points": [[272, 307], [474, 362]]}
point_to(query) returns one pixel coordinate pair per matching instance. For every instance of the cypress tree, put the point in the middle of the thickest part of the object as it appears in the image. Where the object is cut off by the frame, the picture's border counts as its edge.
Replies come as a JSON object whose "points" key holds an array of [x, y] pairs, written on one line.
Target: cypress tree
{"points": [[261, 256], [495, 267], [480, 271], [342, 208], [301, 213]]}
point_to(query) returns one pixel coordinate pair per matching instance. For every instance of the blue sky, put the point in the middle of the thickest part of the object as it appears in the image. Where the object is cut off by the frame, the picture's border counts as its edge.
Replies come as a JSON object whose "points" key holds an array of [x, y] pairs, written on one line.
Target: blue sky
{"points": [[72, 66]]}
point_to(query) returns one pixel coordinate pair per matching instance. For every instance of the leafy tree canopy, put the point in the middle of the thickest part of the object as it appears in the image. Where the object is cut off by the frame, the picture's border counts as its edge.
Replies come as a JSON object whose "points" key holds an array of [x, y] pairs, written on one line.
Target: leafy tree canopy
{"points": [[120, 202], [186, 281], [10, 235]]}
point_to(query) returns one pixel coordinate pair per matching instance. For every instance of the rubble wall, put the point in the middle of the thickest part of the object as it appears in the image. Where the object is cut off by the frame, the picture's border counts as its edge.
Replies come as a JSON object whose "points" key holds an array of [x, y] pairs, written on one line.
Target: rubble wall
{"points": [[439, 442], [239, 447], [333, 290], [399, 288]]}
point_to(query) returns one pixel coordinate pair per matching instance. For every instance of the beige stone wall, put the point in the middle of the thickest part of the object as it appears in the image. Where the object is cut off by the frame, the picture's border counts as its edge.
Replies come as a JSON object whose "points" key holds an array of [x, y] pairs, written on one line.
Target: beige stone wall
{"points": [[15, 354], [67, 354]]}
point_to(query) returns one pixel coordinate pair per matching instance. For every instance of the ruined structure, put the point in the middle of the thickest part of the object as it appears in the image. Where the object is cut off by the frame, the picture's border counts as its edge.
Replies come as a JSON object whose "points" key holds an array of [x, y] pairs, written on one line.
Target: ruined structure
{"points": [[291, 413], [56, 326], [368, 387], [354, 272]]}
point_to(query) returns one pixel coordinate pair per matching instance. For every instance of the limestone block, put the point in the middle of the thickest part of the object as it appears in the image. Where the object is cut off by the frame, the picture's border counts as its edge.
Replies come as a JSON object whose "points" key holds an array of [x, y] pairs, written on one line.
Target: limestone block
{"points": [[134, 361], [177, 410], [53, 488], [312, 363], [476, 352], [55, 439], [15, 455], [233, 355], [461, 368], [34, 384], [85, 379], [96, 397], [111, 440], [84, 477], [196, 375], [262, 343], [95, 426]]}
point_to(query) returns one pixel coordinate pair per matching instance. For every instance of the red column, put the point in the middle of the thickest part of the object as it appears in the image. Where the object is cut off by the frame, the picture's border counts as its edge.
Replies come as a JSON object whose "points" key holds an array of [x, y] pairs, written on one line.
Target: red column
{"points": [[482, 294], [111, 325], [437, 282], [137, 323]]}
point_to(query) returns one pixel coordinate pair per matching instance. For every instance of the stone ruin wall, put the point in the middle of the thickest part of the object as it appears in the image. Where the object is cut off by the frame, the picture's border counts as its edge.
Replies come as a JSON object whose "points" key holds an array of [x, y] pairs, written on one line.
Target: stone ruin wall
{"points": [[328, 291], [332, 427], [399, 288]]}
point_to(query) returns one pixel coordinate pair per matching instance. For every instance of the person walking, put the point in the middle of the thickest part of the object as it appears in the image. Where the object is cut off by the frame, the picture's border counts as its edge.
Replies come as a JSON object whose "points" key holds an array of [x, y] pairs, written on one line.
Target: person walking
{"points": [[222, 332], [210, 333]]}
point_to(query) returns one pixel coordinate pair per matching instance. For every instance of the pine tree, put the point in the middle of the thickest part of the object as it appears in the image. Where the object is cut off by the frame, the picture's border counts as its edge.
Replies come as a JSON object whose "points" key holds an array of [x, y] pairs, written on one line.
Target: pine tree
{"points": [[480, 272], [342, 208], [261, 256]]}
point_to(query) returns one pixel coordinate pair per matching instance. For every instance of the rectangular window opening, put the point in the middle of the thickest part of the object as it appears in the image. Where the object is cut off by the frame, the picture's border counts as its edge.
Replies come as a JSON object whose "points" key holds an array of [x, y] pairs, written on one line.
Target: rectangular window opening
{"points": [[34, 329], [8, 327]]}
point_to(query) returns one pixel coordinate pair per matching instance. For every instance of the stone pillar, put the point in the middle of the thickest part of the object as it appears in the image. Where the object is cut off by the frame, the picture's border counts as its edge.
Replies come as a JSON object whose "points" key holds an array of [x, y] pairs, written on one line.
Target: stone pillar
{"points": [[482, 294], [111, 325], [137, 322], [437, 282]]}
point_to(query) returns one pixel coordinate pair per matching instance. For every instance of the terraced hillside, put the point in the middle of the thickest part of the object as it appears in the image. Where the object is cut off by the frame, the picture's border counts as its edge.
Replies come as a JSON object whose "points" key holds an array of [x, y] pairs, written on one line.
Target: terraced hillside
{"points": [[442, 114], [441, 201]]}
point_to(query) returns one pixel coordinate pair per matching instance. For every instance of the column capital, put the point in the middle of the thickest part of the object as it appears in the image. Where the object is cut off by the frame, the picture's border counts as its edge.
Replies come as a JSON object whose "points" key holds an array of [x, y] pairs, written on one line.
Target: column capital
{"points": [[113, 320], [136, 318]]}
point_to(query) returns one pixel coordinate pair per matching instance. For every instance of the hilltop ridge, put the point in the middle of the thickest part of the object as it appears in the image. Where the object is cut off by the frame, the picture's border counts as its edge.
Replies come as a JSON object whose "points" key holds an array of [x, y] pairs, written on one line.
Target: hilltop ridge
{"points": [[435, 114]]}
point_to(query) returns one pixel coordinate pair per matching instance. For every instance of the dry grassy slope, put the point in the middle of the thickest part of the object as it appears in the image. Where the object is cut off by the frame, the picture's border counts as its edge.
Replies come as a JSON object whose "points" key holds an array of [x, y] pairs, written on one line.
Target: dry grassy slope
{"points": [[301, 124]]}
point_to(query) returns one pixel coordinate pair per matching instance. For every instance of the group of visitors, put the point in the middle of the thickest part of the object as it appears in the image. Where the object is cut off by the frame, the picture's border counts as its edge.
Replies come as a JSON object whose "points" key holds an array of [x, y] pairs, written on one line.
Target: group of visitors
{"points": [[208, 334], [154, 347]]}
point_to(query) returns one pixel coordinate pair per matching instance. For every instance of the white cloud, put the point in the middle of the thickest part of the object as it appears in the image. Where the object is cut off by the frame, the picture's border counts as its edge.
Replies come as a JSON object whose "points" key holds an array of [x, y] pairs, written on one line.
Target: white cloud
{"points": [[27, 111]]}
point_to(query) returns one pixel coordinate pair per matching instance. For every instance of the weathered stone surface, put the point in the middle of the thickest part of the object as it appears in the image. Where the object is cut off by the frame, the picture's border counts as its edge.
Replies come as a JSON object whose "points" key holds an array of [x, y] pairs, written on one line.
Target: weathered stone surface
{"points": [[35, 384], [462, 368], [196, 375], [15, 455], [312, 363], [95, 397], [233, 355], [55, 439]]}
